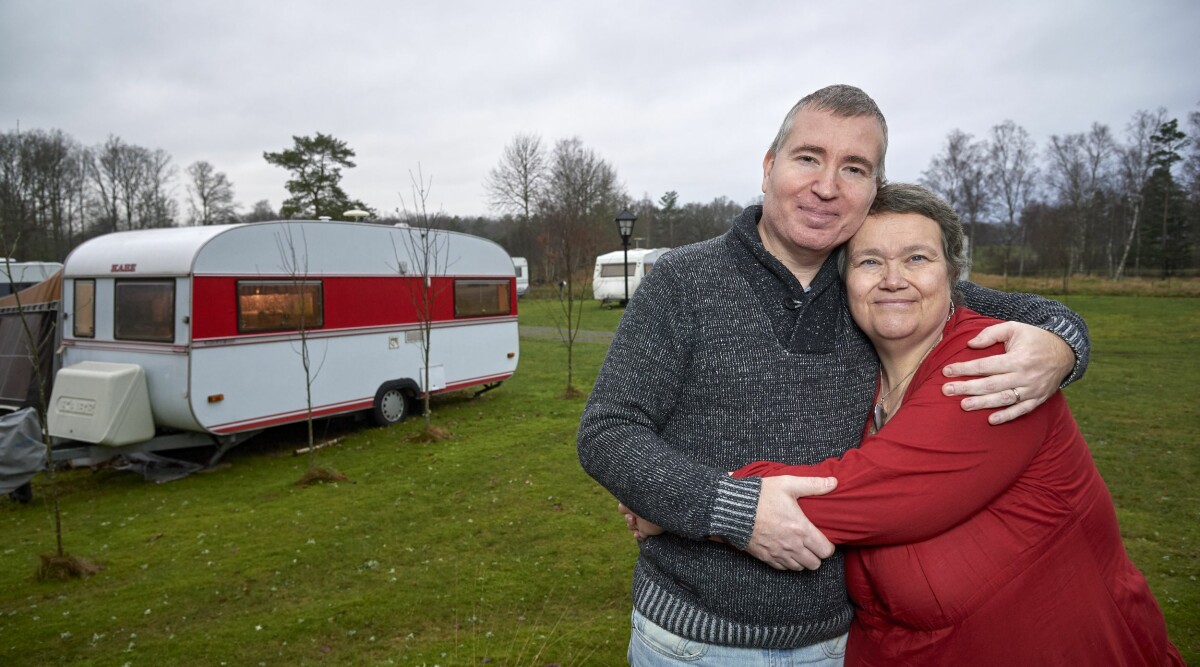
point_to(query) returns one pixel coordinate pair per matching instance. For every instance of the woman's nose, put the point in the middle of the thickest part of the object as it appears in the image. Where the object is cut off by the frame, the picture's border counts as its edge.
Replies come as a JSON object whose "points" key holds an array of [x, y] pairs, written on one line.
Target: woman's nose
{"points": [[893, 277]]}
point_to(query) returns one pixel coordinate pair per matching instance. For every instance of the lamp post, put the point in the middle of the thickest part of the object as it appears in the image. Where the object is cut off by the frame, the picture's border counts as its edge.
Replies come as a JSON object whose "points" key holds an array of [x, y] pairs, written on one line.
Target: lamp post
{"points": [[625, 221]]}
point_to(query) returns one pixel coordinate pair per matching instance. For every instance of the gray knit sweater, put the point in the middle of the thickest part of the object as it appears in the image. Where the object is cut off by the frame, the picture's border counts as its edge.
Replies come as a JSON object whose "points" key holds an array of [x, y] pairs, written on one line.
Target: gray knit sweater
{"points": [[722, 359]]}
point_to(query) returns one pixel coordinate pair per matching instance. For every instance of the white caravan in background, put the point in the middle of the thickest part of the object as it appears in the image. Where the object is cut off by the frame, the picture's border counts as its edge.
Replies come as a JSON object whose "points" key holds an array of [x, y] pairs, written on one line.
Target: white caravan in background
{"points": [[522, 269], [16, 276], [608, 279]]}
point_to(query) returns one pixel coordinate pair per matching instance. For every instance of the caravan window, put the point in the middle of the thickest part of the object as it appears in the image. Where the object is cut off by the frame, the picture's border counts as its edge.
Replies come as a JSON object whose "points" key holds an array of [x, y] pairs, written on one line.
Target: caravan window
{"points": [[279, 305], [145, 310], [84, 317], [479, 298], [614, 270]]}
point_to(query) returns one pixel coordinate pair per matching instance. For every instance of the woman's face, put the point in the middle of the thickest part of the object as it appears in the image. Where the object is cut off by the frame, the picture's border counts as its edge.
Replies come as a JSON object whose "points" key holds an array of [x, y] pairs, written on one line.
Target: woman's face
{"points": [[897, 278]]}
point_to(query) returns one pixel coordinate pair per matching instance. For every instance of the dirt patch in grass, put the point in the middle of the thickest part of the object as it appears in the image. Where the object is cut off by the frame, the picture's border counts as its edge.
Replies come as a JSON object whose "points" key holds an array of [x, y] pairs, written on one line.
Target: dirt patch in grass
{"points": [[321, 476], [65, 568]]}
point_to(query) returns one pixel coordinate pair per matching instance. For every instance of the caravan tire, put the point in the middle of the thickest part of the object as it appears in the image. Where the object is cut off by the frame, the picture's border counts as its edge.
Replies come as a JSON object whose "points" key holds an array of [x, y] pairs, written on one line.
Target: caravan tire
{"points": [[391, 406]]}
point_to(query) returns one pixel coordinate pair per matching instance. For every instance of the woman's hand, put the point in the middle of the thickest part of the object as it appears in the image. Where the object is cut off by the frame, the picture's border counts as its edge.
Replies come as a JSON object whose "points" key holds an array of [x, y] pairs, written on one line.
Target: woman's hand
{"points": [[640, 527], [1033, 365]]}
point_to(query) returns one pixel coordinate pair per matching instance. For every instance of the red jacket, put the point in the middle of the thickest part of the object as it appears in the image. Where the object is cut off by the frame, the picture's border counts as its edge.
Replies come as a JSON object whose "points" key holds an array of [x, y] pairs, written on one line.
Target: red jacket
{"points": [[980, 544]]}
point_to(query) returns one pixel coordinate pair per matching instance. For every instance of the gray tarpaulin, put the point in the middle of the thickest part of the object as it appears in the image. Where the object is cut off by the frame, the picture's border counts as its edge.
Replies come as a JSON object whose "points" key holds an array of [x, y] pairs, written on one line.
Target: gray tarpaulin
{"points": [[155, 468], [22, 452]]}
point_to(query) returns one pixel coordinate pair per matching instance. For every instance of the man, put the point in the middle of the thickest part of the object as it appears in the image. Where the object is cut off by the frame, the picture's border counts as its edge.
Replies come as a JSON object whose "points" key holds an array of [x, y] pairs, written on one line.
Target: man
{"points": [[741, 348]]}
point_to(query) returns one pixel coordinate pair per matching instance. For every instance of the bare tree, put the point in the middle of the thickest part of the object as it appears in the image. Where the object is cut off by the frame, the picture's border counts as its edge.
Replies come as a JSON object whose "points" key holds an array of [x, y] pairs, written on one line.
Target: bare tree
{"points": [[697, 222], [1191, 162], [156, 205], [40, 191], [427, 250], [14, 204], [959, 174], [103, 164], [1134, 169], [580, 199], [1078, 170], [514, 187], [302, 312], [261, 212], [126, 166], [133, 186], [210, 195], [38, 337], [1012, 170], [1100, 149], [1191, 174], [515, 184]]}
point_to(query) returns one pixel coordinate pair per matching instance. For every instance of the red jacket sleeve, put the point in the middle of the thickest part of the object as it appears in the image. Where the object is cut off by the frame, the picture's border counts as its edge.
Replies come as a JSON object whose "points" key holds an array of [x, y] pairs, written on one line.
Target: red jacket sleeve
{"points": [[932, 466]]}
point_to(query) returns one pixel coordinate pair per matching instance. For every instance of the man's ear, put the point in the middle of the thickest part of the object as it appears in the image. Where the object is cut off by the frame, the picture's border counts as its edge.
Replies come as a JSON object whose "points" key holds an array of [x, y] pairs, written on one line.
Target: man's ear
{"points": [[768, 163]]}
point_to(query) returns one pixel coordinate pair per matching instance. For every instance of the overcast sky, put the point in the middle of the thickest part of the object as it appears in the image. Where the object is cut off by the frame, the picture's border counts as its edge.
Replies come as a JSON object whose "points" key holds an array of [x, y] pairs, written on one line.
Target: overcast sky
{"points": [[676, 94]]}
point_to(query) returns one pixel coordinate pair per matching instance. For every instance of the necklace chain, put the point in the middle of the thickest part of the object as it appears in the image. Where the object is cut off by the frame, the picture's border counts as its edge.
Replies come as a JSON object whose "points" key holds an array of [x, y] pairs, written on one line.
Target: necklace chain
{"points": [[880, 413]]}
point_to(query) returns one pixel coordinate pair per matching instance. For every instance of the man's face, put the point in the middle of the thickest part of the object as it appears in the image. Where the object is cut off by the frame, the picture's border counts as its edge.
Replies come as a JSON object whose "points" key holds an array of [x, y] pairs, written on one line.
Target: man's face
{"points": [[818, 187]]}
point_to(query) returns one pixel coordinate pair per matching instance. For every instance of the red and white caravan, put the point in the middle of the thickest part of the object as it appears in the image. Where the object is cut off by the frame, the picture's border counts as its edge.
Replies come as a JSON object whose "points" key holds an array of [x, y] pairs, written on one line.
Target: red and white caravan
{"points": [[216, 318]]}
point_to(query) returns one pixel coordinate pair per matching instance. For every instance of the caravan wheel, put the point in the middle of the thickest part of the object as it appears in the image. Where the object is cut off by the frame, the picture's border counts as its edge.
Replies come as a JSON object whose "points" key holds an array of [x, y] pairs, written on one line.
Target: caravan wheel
{"points": [[391, 406]]}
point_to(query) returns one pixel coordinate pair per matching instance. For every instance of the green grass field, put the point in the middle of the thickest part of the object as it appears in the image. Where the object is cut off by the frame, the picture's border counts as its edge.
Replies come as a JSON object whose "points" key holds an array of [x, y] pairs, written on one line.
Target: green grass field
{"points": [[492, 547]]}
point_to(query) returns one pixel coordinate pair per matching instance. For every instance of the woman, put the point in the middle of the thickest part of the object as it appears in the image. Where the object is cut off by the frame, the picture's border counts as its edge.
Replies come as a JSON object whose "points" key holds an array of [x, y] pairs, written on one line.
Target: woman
{"points": [[980, 544]]}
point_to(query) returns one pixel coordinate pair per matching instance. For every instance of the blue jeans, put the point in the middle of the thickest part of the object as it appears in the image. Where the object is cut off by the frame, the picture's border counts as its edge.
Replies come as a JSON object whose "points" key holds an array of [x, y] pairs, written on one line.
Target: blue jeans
{"points": [[652, 646]]}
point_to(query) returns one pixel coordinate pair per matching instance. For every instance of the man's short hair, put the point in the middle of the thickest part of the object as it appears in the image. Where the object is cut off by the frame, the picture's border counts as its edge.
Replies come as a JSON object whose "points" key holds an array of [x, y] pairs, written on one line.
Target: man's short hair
{"points": [[842, 101]]}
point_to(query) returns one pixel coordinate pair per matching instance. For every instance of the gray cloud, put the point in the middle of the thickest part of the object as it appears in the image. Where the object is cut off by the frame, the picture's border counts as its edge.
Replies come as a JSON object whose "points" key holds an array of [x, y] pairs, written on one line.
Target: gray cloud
{"points": [[678, 95]]}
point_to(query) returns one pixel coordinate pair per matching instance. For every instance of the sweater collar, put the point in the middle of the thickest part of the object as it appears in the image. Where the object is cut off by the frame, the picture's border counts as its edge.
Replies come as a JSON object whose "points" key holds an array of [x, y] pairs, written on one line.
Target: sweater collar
{"points": [[745, 231]]}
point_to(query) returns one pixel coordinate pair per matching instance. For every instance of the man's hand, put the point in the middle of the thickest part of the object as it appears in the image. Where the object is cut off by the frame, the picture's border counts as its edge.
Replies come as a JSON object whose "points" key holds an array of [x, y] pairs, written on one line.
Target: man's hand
{"points": [[641, 528], [1035, 361], [783, 537]]}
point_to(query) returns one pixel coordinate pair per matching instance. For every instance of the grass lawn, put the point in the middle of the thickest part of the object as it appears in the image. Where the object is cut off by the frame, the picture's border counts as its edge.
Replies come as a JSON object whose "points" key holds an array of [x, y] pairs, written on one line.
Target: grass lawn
{"points": [[550, 313], [1138, 407], [492, 547]]}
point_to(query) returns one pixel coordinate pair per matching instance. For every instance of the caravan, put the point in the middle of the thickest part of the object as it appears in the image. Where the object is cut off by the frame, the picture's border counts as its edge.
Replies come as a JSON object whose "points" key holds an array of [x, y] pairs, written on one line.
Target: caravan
{"points": [[521, 267], [16, 276], [202, 330], [608, 280]]}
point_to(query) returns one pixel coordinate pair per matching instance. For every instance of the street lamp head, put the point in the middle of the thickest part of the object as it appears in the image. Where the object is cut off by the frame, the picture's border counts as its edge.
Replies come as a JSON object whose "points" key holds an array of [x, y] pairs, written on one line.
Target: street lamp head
{"points": [[625, 221]]}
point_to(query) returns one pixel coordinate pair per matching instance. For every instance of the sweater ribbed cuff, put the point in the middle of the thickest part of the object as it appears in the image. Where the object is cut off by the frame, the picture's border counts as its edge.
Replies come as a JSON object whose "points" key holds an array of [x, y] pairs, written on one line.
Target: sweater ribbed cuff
{"points": [[734, 509], [1077, 340]]}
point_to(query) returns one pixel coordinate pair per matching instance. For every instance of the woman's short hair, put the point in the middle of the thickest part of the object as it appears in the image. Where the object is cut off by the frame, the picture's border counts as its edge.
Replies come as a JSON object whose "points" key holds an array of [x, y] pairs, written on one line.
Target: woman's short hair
{"points": [[903, 198]]}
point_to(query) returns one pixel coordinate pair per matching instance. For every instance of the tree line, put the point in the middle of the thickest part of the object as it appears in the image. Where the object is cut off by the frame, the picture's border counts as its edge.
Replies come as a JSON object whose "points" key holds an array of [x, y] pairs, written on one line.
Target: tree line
{"points": [[559, 206], [56, 193], [1084, 203]]}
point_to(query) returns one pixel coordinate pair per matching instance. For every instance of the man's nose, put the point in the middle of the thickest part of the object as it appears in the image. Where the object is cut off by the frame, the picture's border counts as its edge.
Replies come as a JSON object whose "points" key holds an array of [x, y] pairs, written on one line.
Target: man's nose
{"points": [[826, 186]]}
